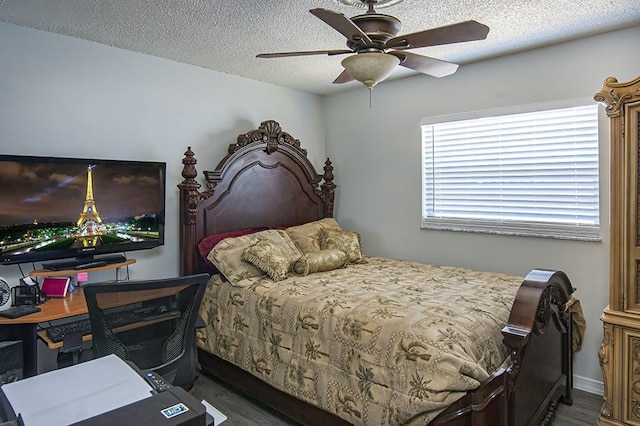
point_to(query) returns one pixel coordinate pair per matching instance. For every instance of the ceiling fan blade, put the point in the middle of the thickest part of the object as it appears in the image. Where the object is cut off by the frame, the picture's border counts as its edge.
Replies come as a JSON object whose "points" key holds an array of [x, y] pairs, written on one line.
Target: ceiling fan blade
{"points": [[456, 33], [344, 77], [425, 64], [304, 53], [343, 25]]}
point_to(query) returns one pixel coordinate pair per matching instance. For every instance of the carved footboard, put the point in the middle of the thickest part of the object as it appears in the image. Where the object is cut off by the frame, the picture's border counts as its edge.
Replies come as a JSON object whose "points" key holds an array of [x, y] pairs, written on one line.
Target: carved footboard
{"points": [[539, 335], [540, 371]]}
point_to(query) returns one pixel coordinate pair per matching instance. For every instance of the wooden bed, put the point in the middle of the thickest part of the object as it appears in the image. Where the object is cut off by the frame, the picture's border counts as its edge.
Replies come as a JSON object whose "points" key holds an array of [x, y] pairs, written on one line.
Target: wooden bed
{"points": [[266, 180]]}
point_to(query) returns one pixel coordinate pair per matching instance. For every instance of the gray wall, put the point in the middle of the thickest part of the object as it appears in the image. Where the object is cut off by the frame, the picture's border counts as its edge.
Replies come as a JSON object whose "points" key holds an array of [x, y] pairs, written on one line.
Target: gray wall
{"points": [[61, 96], [377, 158]]}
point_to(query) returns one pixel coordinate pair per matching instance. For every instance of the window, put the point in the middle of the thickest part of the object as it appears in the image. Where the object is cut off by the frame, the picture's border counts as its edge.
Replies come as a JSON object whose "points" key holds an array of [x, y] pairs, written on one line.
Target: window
{"points": [[531, 173]]}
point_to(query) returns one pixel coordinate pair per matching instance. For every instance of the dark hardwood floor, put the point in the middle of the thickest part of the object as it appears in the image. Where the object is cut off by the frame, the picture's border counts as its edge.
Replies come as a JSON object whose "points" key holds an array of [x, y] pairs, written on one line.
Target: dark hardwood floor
{"points": [[242, 411], [584, 411]]}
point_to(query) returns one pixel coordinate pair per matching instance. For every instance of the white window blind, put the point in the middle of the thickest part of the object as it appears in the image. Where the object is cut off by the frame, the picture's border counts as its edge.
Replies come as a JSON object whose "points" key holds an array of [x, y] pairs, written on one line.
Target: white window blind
{"points": [[533, 173]]}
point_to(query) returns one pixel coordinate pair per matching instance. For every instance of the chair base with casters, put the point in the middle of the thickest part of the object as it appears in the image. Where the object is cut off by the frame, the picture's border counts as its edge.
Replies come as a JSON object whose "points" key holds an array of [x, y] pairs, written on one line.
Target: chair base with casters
{"points": [[150, 323]]}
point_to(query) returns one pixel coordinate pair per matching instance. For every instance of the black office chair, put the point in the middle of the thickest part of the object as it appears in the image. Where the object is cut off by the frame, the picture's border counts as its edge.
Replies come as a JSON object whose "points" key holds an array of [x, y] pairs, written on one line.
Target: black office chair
{"points": [[150, 323]]}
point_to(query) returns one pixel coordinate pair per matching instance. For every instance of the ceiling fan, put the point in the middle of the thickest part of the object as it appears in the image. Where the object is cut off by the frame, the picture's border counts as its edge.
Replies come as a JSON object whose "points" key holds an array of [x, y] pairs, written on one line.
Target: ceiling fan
{"points": [[378, 48]]}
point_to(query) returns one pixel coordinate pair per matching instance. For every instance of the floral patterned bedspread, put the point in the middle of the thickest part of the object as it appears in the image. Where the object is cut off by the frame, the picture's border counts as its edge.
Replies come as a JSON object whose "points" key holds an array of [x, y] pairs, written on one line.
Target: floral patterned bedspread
{"points": [[382, 343]]}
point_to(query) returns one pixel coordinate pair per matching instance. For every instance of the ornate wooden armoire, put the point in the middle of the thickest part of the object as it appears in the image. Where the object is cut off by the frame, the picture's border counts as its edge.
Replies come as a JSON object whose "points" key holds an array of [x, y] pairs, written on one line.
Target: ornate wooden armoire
{"points": [[620, 350]]}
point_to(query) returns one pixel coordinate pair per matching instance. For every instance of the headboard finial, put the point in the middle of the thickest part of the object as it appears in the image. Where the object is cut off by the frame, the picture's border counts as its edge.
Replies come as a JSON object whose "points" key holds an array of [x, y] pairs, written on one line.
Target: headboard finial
{"points": [[189, 165], [270, 133], [328, 188], [189, 187]]}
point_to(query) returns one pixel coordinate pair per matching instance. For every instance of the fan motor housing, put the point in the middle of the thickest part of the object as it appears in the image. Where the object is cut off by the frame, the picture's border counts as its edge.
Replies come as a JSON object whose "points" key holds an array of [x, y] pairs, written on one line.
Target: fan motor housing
{"points": [[378, 27]]}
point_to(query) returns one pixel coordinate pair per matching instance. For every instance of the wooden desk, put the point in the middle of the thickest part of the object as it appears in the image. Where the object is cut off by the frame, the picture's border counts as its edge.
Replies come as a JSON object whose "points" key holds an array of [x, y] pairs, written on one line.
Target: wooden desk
{"points": [[108, 300], [25, 328]]}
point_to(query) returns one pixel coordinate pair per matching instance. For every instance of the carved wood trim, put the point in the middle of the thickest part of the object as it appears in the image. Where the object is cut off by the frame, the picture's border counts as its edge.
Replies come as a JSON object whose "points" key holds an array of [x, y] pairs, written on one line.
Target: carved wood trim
{"points": [[614, 94], [604, 355], [189, 193], [189, 186], [328, 189], [634, 379], [539, 304], [271, 134], [634, 120]]}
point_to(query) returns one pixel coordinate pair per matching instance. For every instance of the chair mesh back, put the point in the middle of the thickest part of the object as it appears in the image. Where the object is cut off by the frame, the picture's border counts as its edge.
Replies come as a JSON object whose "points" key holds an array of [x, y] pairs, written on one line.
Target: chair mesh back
{"points": [[174, 346], [111, 343], [150, 323]]}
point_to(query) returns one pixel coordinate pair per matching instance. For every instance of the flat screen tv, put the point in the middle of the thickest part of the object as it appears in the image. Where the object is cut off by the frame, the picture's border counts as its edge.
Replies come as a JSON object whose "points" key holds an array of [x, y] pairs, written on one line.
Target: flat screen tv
{"points": [[57, 208]]}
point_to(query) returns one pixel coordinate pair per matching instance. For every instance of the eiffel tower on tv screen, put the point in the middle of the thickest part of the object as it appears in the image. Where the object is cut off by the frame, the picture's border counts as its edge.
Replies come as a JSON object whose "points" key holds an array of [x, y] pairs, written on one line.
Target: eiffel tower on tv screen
{"points": [[131, 213], [89, 223]]}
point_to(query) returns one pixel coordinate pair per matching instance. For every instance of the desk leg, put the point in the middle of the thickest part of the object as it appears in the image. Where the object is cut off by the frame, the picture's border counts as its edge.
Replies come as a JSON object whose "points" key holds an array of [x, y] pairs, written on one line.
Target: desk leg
{"points": [[26, 333]]}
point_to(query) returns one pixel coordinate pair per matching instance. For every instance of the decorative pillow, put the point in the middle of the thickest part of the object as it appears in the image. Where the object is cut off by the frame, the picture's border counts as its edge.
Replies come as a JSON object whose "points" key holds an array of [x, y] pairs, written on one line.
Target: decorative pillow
{"points": [[320, 261], [227, 254], [207, 243], [348, 242], [271, 257], [307, 236]]}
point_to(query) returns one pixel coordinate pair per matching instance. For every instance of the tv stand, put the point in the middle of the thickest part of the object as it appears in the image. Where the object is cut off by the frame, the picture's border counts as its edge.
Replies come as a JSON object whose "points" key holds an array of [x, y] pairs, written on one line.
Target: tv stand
{"points": [[84, 263], [71, 271]]}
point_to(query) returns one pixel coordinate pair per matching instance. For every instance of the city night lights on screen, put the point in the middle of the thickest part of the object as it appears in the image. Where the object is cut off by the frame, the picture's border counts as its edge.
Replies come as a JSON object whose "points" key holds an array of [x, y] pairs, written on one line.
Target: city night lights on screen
{"points": [[55, 208]]}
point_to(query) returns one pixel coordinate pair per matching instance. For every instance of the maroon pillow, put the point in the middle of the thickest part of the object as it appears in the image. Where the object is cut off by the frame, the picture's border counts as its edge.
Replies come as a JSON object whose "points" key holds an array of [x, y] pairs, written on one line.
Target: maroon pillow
{"points": [[208, 243]]}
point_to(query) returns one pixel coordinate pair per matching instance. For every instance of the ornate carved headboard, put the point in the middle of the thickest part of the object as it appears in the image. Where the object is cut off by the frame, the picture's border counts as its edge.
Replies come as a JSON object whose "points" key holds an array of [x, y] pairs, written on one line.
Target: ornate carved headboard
{"points": [[266, 180]]}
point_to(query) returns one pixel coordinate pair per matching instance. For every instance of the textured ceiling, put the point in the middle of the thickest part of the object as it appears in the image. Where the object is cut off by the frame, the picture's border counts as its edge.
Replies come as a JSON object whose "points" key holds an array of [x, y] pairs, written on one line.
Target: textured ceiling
{"points": [[225, 35]]}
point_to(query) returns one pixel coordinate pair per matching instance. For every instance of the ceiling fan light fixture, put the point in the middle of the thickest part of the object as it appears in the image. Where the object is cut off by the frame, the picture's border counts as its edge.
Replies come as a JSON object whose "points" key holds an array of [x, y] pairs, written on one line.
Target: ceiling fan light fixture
{"points": [[370, 68]]}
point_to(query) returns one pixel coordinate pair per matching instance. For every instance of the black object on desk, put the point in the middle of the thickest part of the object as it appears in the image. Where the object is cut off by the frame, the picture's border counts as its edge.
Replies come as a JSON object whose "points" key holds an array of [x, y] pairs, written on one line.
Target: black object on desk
{"points": [[19, 311], [84, 263], [96, 264], [28, 295], [118, 319], [175, 406]]}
